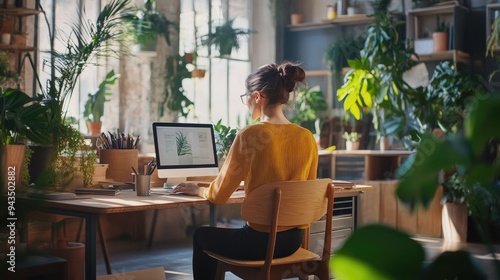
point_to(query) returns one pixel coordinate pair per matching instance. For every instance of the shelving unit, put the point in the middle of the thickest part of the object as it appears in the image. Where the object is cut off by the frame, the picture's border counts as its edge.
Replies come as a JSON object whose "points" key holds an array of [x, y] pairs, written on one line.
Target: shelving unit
{"points": [[341, 20], [18, 50], [423, 21], [491, 9]]}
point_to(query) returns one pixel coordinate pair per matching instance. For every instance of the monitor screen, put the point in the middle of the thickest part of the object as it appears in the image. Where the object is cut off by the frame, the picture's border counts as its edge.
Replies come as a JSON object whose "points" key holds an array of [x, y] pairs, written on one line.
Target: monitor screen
{"points": [[185, 149]]}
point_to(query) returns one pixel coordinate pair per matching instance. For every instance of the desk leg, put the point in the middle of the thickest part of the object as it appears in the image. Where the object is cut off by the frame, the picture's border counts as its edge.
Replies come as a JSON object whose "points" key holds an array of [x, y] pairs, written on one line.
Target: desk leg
{"points": [[90, 250], [103, 246]]}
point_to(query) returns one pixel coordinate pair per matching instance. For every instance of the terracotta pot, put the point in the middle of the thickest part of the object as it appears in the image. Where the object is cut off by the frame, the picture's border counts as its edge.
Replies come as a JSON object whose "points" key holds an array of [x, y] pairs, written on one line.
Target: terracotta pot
{"points": [[198, 73], [7, 24], [19, 39], [440, 41], [12, 167], [350, 146], [74, 254], [188, 57], [296, 19], [454, 222], [94, 128]]}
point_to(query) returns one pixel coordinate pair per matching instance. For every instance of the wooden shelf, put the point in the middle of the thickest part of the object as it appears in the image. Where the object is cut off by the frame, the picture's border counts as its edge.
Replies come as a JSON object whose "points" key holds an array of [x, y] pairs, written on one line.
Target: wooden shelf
{"points": [[436, 10], [16, 48], [19, 11], [454, 55], [317, 73], [342, 20]]}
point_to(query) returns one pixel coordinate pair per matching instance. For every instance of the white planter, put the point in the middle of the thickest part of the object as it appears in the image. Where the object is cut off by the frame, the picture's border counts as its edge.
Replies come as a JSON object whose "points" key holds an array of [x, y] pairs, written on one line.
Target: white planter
{"points": [[351, 145], [454, 222]]}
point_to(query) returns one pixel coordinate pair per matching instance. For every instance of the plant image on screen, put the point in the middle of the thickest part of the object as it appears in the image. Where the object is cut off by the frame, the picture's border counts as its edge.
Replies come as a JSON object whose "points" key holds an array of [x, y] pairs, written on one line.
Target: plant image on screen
{"points": [[183, 147]]}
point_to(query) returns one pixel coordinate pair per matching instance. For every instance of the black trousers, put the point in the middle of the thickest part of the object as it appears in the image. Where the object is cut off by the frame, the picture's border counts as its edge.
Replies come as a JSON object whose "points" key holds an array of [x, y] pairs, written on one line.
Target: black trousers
{"points": [[245, 244]]}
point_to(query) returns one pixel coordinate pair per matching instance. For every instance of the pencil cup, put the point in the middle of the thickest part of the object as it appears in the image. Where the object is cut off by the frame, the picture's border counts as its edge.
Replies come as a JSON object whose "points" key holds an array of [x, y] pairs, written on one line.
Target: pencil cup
{"points": [[120, 163], [142, 184]]}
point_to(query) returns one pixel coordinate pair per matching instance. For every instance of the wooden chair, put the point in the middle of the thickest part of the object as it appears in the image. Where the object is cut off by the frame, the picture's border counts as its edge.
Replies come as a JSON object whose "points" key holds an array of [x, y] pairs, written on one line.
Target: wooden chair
{"points": [[289, 203]]}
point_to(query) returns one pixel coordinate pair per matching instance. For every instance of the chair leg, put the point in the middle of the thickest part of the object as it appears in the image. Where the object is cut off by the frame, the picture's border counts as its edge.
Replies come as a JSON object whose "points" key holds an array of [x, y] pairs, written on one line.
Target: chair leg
{"points": [[103, 247], [220, 274]]}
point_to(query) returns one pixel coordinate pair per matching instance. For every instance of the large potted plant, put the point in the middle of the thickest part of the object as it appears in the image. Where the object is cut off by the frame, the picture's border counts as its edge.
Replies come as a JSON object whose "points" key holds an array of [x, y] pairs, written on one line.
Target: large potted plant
{"points": [[473, 151], [224, 137], [86, 42], [175, 98], [225, 37], [21, 119], [94, 107]]}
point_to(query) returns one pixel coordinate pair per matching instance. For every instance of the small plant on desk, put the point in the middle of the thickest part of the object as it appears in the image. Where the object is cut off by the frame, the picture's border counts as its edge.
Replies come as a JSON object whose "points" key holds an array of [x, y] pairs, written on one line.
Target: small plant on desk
{"points": [[352, 140]]}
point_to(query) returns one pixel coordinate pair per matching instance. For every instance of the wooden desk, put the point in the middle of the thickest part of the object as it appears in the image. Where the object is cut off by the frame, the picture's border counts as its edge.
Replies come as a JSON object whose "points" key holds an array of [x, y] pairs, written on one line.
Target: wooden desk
{"points": [[92, 207]]}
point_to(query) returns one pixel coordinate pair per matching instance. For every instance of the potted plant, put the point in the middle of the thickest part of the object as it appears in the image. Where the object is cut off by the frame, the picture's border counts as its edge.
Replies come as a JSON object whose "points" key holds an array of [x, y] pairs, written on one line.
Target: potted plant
{"points": [[21, 120], [84, 45], [225, 37], [440, 37], [146, 24], [376, 81], [473, 152], [175, 99], [7, 76], [308, 108], [94, 107], [224, 137], [197, 72], [351, 140], [338, 53]]}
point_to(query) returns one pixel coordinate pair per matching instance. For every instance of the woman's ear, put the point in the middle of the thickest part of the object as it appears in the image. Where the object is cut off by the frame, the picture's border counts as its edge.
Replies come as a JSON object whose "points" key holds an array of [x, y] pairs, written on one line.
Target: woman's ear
{"points": [[259, 97]]}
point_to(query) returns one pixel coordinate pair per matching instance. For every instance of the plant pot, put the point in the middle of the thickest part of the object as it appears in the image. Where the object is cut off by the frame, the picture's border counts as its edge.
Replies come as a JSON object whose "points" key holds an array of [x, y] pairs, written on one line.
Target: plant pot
{"points": [[7, 24], [350, 146], [19, 39], [6, 38], [226, 49], [40, 159], [74, 254], [12, 167], [188, 57], [94, 128], [120, 163], [296, 19], [454, 222], [440, 41], [384, 143], [198, 73]]}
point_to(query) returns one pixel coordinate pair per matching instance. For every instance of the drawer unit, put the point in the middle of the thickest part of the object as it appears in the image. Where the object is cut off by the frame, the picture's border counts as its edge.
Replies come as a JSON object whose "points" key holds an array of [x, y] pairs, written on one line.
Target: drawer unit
{"points": [[343, 223], [338, 238]]}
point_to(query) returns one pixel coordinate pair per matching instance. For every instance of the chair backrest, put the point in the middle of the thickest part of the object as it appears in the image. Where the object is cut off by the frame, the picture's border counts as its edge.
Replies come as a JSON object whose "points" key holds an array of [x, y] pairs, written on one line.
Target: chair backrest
{"points": [[300, 202]]}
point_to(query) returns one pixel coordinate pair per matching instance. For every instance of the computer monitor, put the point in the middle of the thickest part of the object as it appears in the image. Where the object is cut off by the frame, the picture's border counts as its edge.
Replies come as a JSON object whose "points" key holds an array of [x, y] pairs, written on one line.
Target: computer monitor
{"points": [[185, 149]]}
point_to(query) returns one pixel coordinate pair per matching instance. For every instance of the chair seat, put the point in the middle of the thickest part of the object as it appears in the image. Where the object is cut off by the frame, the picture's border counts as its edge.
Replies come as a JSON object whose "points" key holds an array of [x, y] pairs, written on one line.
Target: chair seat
{"points": [[300, 255]]}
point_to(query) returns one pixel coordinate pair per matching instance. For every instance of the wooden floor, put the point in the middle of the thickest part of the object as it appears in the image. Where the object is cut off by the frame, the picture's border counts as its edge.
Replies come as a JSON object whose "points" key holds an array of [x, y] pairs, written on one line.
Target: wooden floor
{"points": [[175, 257]]}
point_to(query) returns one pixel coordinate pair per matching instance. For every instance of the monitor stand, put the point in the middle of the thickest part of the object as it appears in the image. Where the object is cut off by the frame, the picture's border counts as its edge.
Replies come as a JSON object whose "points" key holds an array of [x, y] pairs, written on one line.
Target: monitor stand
{"points": [[172, 182]]}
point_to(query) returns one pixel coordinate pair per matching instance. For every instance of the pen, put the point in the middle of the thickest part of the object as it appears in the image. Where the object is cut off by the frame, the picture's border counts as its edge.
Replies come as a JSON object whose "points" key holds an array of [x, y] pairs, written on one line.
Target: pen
{"points": [[133, 169]]}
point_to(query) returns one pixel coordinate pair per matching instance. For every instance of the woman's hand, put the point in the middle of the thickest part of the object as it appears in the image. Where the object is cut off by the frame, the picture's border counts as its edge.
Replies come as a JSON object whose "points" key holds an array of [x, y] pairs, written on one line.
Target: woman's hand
{"points": [[186, 188]]}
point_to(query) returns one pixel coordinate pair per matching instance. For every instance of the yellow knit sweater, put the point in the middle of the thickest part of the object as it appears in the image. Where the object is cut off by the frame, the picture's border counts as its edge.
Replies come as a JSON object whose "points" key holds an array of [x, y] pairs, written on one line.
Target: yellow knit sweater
{"points": [[265, 153]]}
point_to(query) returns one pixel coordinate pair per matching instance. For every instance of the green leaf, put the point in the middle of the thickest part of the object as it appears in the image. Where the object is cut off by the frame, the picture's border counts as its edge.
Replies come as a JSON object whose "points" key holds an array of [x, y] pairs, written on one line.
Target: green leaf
{"points": [[377, 252], [454, 265], [418, 185], [479, 124]]}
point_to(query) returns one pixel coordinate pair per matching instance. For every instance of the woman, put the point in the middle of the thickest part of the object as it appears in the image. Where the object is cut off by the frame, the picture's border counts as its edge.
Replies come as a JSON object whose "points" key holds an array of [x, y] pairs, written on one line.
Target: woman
{"points": [[270, 151]]}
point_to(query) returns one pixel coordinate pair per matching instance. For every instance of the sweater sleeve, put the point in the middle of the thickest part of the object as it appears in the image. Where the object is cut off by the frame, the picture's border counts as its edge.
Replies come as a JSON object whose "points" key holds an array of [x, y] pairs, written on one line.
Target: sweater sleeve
{"points": [[230, 176]]}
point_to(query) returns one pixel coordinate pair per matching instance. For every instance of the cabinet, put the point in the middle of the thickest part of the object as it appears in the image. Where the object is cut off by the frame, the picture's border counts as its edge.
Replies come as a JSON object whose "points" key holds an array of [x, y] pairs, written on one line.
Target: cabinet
{"points": [[421, 23], [343, 224]]}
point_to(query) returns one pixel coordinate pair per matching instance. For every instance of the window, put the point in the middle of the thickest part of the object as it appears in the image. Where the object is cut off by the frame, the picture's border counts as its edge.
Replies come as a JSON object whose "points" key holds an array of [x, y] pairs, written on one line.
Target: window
{"points": [[217, 95]]}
